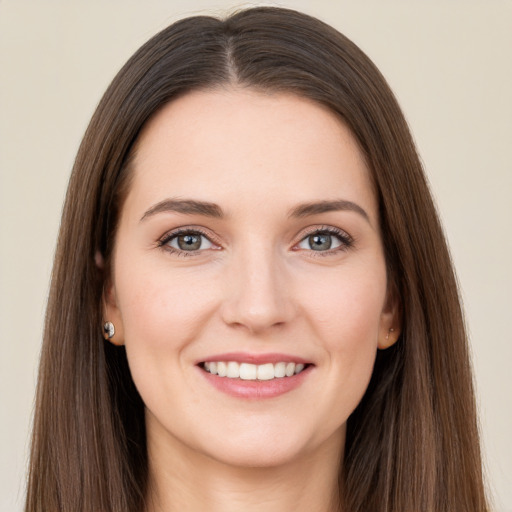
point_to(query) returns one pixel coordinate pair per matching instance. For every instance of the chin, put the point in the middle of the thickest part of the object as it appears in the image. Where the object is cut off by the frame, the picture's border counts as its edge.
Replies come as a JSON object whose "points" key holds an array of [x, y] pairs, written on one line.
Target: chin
{"points": [[258, 455], [270, 448]]}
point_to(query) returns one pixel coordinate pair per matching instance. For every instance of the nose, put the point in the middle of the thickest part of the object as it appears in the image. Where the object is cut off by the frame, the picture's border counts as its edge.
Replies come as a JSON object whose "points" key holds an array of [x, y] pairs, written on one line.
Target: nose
{"points": [[257, 295]]}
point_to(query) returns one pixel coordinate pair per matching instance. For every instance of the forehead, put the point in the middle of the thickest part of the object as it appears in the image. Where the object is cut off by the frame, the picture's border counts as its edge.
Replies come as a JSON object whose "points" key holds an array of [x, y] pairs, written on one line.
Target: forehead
{"points": [[242, 145]]}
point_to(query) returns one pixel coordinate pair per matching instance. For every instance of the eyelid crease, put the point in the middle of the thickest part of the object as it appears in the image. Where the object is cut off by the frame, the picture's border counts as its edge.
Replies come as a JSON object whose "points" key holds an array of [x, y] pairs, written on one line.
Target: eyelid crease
{"points": [[325, 229]]}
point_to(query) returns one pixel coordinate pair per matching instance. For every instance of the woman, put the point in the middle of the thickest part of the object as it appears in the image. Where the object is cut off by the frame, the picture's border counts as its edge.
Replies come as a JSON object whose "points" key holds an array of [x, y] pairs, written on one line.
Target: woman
{"points": [[249, 228]]}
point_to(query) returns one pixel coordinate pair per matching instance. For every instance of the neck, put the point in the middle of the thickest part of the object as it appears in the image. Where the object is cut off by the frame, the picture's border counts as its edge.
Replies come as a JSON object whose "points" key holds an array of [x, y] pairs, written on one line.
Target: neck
{"points": [[183, 479]]}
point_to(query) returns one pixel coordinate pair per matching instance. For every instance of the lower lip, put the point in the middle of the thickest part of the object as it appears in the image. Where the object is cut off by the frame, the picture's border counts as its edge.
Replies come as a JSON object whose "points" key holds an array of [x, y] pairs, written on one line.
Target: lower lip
{"points": [[256, 389]]}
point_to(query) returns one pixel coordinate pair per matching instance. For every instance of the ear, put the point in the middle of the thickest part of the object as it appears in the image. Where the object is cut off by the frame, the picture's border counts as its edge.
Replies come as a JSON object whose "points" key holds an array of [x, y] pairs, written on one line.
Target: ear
{"points": [[391, 319], [110, 309]]}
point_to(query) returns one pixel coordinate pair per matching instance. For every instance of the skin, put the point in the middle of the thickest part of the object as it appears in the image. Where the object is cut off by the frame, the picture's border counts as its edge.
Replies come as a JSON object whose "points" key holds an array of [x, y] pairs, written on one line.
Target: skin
{"points": [[254, 286]]}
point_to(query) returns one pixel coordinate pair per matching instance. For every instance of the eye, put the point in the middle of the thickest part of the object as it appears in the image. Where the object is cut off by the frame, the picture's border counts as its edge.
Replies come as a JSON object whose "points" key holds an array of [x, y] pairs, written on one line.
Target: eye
{"points": [[188, 241], [319, 242], [325, 240]]}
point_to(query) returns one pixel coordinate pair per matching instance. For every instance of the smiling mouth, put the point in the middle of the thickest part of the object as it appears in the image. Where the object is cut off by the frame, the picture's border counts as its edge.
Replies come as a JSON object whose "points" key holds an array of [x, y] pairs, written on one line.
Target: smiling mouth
{"points": [[254, 372]]}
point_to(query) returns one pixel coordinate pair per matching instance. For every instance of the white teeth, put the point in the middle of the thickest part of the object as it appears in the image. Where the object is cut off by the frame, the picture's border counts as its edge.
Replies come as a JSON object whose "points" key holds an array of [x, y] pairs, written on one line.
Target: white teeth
{"points": [[266, 371], [290, 369], [280, 370], [222, 369], [247, 371], [233, 371]]}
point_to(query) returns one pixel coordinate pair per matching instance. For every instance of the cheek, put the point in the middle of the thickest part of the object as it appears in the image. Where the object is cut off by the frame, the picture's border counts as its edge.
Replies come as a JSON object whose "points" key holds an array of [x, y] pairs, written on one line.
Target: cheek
{"points": [[347, 306], [162, 313], [351, 338], [161, 308], [165, 310], [345, 315]]}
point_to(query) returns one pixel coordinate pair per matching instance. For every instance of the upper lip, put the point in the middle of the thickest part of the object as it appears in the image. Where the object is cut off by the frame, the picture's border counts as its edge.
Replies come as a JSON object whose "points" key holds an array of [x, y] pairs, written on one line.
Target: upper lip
{"points": [[245, 357]]}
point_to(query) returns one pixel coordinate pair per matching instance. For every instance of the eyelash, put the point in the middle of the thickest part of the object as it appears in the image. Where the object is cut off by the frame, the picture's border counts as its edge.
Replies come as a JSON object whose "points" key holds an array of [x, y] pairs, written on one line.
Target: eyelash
{"points": [[162, 243], [345, 239]]}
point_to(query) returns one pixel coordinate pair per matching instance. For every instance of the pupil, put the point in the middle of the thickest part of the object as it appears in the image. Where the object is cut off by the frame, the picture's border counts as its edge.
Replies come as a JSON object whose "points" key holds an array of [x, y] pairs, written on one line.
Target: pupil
{"points": [[189, 242], [320, 242]]}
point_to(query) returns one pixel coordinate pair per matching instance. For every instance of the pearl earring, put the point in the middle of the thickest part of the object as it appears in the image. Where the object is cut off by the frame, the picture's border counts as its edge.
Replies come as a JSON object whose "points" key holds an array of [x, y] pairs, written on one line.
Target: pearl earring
{"points": [[108, 330]]}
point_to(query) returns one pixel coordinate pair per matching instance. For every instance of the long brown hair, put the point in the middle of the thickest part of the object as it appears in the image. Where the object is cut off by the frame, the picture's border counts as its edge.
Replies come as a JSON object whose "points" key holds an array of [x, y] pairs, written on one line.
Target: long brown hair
{"points": [[412, 443]]}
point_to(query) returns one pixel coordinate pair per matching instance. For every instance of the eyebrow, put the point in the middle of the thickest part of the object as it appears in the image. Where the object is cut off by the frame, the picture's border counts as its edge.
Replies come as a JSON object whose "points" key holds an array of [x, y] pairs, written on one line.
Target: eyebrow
{"points": [[186, 206], [207, 209], [315, 208]]}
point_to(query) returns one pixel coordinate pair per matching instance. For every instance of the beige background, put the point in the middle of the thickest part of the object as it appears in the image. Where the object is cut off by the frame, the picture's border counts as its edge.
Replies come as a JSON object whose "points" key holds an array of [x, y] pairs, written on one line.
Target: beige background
{"points": [[450, 63]]}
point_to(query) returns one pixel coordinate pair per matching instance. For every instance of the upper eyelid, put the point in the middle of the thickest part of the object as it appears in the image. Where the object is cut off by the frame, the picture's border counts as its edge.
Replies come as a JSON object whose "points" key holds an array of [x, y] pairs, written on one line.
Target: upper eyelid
{"points": [[187, 229], [332, 230]]}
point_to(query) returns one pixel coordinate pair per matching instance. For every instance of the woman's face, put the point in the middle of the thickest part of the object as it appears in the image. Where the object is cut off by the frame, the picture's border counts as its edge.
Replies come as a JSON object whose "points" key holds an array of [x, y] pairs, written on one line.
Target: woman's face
{"points": [[249, 241]]}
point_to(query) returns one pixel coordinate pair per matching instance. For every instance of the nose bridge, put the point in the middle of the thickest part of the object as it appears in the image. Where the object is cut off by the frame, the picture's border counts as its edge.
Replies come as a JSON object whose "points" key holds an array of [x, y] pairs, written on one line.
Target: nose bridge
{"points": [[257, 293]]}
